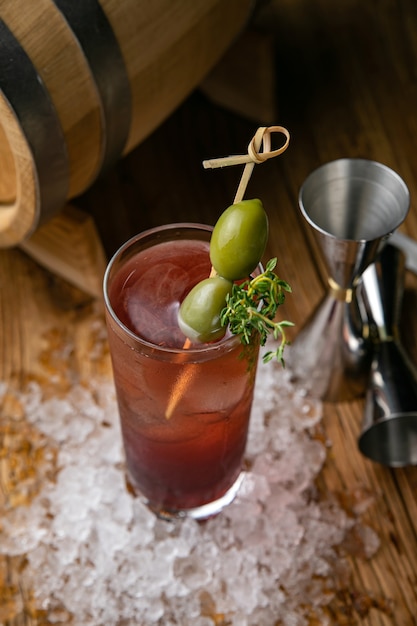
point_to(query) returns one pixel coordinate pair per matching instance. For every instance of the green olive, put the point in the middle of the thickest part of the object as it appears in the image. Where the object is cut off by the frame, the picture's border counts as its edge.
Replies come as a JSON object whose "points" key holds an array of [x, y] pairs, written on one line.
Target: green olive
{"points": [[238, 240], [199, 314]]}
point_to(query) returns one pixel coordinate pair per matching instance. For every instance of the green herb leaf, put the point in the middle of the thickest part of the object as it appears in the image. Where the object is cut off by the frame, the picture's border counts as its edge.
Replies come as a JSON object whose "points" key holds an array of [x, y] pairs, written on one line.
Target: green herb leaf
{"points": [[252, 307]]}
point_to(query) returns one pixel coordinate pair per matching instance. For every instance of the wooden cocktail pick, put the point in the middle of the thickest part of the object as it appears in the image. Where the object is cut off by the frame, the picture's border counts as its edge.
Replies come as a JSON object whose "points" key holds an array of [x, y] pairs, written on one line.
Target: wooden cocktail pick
{"points": [[261, 139]]}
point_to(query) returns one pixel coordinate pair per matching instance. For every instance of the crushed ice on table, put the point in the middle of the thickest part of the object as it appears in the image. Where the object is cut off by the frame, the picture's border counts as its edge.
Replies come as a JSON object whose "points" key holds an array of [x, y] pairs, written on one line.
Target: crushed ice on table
{"points": [[97, 554]]}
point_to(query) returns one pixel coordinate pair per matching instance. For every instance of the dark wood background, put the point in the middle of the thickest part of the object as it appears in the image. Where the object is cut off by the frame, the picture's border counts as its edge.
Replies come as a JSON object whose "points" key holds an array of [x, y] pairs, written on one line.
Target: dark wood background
{"points": [[345, 86]]}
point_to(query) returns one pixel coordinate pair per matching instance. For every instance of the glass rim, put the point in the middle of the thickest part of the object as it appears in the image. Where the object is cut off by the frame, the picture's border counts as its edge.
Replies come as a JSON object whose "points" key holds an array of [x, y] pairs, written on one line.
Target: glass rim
{"points": [[222, 345]]}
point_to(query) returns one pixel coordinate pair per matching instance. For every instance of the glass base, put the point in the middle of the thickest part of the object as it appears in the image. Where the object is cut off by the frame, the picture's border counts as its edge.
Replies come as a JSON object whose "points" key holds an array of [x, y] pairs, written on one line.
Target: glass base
{"points": [[203, 512]]}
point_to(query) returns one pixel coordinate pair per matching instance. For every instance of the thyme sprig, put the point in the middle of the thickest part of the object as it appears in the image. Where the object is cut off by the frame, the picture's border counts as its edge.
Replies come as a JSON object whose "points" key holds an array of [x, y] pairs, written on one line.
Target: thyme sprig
{"points": [[252, 306]]}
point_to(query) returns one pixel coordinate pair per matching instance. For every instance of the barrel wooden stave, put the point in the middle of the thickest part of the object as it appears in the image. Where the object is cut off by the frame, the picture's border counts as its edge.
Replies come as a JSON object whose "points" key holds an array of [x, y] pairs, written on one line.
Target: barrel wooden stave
{"points": [[173, 61], [61, 65], [167, 48]]}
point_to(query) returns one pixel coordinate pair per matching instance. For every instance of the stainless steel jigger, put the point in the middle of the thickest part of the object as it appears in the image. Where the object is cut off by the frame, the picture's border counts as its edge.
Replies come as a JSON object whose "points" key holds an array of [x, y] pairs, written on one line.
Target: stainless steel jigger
{"points": [[389, 431], [352, 205]]}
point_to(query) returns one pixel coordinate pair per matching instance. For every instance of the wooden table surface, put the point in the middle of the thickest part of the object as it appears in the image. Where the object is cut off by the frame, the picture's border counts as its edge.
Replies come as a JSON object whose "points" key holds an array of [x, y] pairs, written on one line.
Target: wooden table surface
{"points": [[346, 86]]}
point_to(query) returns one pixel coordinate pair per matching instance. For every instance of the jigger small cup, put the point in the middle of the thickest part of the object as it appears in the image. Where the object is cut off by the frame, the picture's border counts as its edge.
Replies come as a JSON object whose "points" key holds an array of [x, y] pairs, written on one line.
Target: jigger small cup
{"points": [[352, 205], [389, 430]]}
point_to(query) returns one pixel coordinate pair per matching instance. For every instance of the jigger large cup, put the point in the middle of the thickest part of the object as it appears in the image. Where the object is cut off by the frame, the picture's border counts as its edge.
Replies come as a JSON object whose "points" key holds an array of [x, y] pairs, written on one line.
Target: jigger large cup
{"points": [[352, 205], [389, 430]]}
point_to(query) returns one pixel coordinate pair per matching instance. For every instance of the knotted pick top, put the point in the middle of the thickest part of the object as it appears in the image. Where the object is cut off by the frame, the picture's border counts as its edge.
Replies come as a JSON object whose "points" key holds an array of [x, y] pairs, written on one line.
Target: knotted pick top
{"points": [[262, 138]]}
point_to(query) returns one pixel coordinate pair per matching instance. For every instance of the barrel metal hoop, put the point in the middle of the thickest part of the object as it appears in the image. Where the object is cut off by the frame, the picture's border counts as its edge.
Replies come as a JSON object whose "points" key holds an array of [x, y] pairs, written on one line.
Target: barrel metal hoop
{"points": [[91, 27], [27, 95]]}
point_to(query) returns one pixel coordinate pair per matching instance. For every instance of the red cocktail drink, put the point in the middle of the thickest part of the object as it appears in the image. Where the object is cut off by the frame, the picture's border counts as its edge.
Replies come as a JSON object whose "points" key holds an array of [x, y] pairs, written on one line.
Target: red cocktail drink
{"points": [[184, 412]]}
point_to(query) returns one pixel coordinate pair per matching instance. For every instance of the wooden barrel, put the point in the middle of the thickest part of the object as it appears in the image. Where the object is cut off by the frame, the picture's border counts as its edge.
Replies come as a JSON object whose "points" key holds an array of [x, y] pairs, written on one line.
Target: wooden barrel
{"points": [[82, 83]]}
